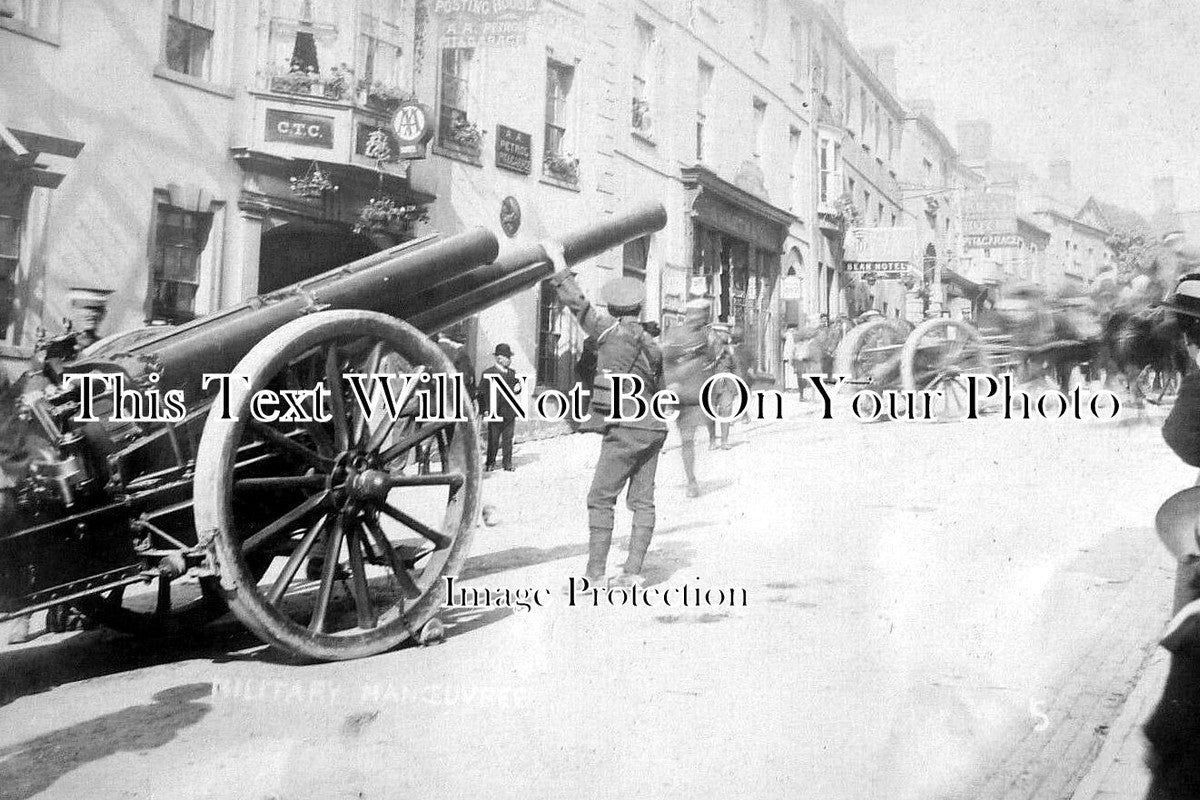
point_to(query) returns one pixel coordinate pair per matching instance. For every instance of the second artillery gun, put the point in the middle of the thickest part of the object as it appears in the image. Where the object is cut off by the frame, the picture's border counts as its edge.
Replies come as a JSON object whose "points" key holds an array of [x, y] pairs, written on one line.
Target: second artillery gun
{"points": [[324, 538]]}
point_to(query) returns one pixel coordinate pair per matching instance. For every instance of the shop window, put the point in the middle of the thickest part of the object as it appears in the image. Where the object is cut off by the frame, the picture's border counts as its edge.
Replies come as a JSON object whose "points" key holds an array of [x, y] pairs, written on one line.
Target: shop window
{"points": [[39, 17], [635, 257], [549, 333], [190, 37], [454, 122], [179, 241], [704, 79], [558, 161], [10, 259], [643, 83]]}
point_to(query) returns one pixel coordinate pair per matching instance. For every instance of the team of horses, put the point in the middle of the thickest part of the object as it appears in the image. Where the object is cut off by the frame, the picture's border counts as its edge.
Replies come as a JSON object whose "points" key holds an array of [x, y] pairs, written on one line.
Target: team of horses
{"points": [[1136, 344]]}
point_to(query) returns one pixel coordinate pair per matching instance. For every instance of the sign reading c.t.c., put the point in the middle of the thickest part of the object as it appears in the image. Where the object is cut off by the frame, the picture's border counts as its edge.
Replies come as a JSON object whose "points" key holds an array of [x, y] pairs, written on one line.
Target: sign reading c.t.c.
{"points": [[310, 130]]}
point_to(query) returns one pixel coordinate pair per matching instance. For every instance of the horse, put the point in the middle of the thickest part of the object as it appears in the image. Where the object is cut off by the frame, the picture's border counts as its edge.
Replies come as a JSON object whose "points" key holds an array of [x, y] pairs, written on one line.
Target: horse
{"points": [[1144, 341]]}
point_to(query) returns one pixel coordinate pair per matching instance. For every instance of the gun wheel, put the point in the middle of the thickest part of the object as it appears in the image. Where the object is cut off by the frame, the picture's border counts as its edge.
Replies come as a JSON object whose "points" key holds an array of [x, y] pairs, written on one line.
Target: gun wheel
{"points": [[364, 508], [937, 357]]}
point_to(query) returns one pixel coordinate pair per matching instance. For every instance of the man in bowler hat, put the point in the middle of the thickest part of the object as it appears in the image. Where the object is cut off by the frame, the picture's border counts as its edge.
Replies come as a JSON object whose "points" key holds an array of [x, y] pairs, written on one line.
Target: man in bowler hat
{"points": [[500, 431], [630, 447]]}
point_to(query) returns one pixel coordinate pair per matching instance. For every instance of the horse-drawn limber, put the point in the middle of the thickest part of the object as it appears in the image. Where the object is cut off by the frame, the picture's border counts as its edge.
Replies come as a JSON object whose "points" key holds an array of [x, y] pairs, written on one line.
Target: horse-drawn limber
{"points": [[938, 354], [326, 538]]}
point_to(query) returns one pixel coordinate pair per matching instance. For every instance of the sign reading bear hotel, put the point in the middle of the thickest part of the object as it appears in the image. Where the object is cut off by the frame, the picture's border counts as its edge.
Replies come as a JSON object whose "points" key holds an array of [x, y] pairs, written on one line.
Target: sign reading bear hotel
{"points": [[484, 23]]}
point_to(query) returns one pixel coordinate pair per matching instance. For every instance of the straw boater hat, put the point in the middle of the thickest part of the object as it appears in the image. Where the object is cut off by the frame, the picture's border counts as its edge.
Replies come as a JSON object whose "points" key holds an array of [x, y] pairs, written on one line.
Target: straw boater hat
{"points": [[1186, 297]]}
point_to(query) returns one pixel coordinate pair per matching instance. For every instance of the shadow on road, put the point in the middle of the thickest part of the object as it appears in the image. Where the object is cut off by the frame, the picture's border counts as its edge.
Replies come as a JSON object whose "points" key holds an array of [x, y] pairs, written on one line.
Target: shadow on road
{"points": [[34, 765]]}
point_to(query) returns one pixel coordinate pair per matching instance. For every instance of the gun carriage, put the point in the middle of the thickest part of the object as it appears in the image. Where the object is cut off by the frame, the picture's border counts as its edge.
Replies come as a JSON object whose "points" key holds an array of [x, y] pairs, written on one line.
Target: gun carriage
{"points": [[937, 354], [328, 539]]}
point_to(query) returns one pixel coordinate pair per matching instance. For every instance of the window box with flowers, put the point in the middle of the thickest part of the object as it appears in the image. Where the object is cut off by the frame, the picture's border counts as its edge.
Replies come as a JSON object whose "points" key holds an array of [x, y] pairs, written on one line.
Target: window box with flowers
{"points": [[562, 167], [382, 96]]}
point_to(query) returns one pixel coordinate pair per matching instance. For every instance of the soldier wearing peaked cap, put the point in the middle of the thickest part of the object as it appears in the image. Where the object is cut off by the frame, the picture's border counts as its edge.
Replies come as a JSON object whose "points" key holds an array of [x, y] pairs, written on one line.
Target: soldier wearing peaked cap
{"points": [[630, 447]]}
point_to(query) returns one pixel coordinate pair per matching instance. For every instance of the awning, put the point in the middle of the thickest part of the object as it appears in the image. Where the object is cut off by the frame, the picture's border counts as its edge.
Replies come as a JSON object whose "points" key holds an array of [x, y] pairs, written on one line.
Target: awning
{"points": [[20, 152]]}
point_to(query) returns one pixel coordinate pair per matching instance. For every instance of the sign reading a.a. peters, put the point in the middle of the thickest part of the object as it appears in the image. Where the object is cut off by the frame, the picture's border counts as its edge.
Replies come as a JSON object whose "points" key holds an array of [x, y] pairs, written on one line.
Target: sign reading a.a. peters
{"points": [[309, 130], [514, 150]]}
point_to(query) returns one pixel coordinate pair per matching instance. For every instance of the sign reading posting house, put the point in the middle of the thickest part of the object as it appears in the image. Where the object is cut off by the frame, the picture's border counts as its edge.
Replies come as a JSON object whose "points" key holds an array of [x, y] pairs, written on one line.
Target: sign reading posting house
{"points": [[309, 130], [484, 23], [514, 150], [413, 129]]}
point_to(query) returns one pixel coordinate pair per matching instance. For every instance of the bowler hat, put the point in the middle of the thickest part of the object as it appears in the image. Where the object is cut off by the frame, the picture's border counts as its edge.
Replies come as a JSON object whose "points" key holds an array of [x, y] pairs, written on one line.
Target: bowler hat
{"points": [[1186, 297], [623, 293], [503, 349]]}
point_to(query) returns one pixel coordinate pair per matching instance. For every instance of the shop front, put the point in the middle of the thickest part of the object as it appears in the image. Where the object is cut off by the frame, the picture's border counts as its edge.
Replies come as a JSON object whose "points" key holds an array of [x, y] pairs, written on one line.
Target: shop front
{"points": [[736, 242]]}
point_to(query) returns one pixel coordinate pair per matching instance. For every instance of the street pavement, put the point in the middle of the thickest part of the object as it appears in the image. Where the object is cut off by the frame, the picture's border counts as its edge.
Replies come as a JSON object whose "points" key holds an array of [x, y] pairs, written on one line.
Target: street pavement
{"points": [[933, 611]]}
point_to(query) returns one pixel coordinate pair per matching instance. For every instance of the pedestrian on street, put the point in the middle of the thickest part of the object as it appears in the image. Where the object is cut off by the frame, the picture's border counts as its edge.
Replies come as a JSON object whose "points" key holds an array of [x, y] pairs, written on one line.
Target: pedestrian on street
{"points": [[1173, 730], [735, 359], [500, 430], [689, 360], [630, 447], [809, 355], [833, 338]]}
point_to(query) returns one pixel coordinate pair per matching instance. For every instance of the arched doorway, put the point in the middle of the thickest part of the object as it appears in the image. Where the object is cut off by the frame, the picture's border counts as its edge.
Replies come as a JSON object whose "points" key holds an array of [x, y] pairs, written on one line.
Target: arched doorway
{"points": [[295, 251]]}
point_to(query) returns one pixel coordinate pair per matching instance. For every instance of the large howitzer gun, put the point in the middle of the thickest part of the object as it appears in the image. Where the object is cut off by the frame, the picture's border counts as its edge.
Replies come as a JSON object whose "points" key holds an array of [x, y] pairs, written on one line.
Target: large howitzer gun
{"points": [[328, 524]]}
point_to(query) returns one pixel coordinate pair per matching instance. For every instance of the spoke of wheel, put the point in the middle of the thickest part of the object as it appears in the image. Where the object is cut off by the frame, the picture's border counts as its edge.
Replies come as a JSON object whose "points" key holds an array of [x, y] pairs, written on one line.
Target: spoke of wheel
{"points": [[407, 585], [412, 439], [406, 394], [315, 429], [358, 578], [370, 368], [297, 557], [288, 443], [285, 522], [325, 593], [337, 400], [440, 541], [280, 482], [452, 479], [162, 605]]}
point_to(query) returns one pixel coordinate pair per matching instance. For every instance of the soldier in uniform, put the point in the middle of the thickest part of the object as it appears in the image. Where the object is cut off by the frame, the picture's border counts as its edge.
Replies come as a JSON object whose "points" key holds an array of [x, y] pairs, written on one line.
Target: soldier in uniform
{"points": [[691, 358], [630, 447]]}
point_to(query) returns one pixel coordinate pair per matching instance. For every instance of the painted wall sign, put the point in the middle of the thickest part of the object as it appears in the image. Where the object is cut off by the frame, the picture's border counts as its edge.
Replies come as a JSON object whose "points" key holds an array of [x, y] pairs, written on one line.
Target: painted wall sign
{"points": [[413, 128], [993, 240], [510, 216], [989, 212], [309, 130], [791, 287], [514, 150], [484, 23]]}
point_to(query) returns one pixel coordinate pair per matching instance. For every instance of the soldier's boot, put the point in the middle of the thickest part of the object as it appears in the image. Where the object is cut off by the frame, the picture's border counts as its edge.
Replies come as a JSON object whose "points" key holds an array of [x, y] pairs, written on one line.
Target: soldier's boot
{"points": [[599, 542], [639, 543]]}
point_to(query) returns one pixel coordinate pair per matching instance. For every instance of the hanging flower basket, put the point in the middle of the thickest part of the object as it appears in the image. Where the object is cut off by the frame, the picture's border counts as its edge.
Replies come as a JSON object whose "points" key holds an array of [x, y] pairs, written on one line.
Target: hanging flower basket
{"points": [[851, 216], [564, 167], [382, 214], [314, 183], [378, 147]]}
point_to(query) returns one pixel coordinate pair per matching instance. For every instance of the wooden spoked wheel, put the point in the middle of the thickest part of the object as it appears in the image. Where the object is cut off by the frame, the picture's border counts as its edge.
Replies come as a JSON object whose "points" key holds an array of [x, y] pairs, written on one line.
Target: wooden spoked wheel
{"points": [[362, 532], [871, 352], [937, 357]]}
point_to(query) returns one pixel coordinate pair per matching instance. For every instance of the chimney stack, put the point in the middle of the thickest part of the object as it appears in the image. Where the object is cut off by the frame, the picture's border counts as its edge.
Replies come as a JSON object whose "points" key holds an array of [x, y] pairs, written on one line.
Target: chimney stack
{"points": [[975, 140], [882, 61], [1060, 174]]}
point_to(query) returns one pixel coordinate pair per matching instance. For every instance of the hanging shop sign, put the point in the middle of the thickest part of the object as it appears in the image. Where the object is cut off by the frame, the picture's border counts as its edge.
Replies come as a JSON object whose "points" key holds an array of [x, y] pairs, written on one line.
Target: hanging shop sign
{"points": [[510, 216], [362, 141], [514, 150], [791, 287], [309, 130], [413, 128]]}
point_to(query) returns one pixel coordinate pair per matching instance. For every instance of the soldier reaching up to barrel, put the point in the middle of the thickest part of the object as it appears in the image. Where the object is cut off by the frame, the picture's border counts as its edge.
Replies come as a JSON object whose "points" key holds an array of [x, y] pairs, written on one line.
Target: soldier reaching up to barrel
{"points": [[630, 448]]}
